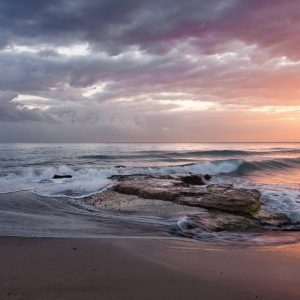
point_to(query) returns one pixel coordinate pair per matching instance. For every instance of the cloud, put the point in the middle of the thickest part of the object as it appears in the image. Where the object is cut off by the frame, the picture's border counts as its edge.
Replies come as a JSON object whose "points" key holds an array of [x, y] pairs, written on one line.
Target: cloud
{"points": [[10, 111], [153, 25], [148, 70], [113, 25]]}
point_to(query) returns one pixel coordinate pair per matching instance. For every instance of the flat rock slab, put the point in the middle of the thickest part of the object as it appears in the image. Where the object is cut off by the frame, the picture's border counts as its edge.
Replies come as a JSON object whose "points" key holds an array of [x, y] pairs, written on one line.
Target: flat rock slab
{"points": [[190, 217], [113, 201], [221, 197]]}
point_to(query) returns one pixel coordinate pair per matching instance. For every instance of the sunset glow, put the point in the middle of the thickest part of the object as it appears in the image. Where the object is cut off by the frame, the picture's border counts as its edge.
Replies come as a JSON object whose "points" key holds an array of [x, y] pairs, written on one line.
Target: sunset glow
{"points": [[126, 71]]}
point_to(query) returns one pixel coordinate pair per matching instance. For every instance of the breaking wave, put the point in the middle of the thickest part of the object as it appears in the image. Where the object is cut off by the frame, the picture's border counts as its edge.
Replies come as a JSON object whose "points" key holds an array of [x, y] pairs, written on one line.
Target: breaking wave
{"points": [[271, 164], [228, 166], [210, 167], [87, 180]]}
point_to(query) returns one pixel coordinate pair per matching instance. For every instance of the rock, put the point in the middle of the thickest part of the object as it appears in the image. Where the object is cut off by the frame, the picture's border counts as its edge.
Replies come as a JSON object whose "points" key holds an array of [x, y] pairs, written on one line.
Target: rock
{"points": [[193, 180], [207, 177], [213, 207], [113, 201], [120, 167], [217, 221], [196, 217], [213, 188], [229, 200], [272, 219], [221, 197], [146, 191], [61, 176]]}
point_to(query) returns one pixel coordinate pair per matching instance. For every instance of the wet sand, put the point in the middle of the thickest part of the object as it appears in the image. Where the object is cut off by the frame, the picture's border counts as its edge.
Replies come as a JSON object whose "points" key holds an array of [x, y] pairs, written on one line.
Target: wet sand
{"points": [[65, 268]]}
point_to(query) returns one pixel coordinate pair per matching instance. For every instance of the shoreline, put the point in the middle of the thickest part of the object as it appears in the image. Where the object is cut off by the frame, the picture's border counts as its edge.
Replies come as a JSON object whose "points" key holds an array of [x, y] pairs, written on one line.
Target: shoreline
{"points": [[72, 268], [26, 214]]}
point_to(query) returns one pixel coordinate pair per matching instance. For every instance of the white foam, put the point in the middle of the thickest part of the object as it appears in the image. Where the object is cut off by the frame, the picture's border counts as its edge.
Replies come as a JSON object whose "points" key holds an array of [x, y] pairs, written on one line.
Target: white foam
{"points": [[86, 181], [39, 180], [209, 167], [282, 199]]}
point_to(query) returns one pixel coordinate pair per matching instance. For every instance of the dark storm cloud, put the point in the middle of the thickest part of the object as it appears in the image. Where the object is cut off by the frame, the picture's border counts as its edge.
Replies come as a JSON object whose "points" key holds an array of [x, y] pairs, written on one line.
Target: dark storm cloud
{"points": [[109, 24], [154, 25]]}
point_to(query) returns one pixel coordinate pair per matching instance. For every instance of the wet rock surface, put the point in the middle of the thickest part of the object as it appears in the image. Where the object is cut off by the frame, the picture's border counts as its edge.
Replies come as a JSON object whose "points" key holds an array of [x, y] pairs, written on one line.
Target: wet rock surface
{"points": [[217, 221], [202, 205], [272, 219], [193, 179], [212, 196]]}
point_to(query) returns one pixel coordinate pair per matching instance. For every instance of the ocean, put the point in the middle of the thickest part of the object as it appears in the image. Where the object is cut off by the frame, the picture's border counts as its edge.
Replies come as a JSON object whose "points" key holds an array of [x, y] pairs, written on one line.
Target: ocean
{"points": [[272, 168]]}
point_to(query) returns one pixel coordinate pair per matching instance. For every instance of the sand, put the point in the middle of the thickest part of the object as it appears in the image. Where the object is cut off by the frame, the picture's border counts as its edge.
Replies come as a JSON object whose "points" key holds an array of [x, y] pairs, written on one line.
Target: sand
{"points": [[65, 268]]}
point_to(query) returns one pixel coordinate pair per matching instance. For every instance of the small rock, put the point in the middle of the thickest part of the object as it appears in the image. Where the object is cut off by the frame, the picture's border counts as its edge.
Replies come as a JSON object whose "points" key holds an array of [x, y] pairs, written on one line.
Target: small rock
{"points": [[61, 176], [272, 219], [215, 221], [207, 177], [193, 180]]}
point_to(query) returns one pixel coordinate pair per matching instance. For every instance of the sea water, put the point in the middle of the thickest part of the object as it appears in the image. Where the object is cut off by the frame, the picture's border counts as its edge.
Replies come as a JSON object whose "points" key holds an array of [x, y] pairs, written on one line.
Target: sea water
{"points": [[272, 168]]}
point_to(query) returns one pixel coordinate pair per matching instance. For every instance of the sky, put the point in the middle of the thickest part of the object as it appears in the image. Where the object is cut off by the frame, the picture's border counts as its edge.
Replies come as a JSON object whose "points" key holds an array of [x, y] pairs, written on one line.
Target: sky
{"points": [[149, 71]]}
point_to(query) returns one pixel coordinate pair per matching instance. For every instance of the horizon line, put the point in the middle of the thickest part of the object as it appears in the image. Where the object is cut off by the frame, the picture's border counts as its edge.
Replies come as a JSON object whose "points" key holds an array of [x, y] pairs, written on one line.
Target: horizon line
{"points": [[277, 142]]}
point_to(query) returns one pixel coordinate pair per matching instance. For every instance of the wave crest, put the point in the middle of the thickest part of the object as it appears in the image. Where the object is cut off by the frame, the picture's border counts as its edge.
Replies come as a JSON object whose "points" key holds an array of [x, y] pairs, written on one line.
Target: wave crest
{"points": [[87, 180], [210, 167]]}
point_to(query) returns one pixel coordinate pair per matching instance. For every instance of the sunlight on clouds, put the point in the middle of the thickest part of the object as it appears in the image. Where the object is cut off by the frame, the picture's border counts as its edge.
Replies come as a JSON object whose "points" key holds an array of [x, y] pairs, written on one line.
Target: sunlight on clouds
{"points": [[172, 95], [276, 109], [24, 97], [284, 61], [40, 107], [133, 53], [224, 57], [190, 105], [73, 50], [20, 49], [32, 101], [95, 89]]}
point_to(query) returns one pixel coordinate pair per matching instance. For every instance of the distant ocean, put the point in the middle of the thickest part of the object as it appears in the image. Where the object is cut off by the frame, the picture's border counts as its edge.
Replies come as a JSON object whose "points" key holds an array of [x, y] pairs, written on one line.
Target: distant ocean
{"points": [[273, 168]]}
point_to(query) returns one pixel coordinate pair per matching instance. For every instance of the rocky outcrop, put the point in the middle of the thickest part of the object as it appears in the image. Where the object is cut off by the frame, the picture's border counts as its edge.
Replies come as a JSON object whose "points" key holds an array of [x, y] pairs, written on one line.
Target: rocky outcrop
{"points": [[207, 207], [220, 197]]}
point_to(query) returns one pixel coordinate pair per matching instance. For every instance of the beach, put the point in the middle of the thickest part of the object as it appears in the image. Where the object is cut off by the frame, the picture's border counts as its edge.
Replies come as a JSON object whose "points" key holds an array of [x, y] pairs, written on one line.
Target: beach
{"points": [[102, 232], [60, 268]]}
